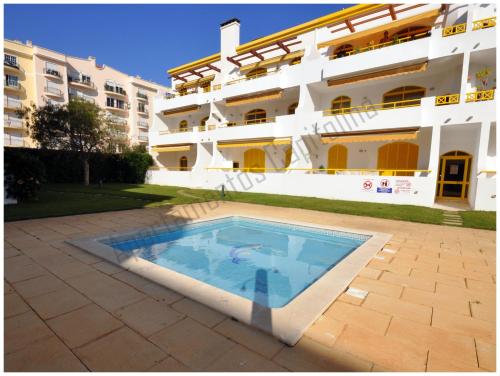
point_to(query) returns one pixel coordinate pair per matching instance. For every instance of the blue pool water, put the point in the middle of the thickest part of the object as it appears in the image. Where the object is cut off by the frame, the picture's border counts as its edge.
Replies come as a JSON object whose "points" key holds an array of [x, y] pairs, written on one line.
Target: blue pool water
{"points": [[267, 262]]}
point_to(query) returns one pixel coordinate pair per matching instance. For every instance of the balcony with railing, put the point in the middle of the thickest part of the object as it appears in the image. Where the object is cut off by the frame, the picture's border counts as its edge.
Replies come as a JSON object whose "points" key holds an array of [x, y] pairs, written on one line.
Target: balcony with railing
{"points": [[484, 23], [13, 122], [143, 137], [13, 85], [12, 66], [142, 96], [83, 83], [142, 111], [115, 90], [142, 124], [53, 91], [480, 96], [52, 73], [9, 140], [11, 103]]}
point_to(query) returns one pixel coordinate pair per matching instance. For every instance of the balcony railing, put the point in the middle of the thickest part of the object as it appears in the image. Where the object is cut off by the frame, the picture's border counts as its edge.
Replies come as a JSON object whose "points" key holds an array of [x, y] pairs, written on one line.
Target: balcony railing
{"points": [[115, 89], [53, 91], [442, 100], [12, 103], [142, 95], [356, 51], [454, 29], [143, 111], [13, 141], [79, 81], [177, 130], [12, 84], [480, 96], [332, 171], [142, 124], [11, 64], [13, 122], [373, 107], [52, 72], [250, 122], [81, 97], [142, 137], [253, 77], [484, 24]]}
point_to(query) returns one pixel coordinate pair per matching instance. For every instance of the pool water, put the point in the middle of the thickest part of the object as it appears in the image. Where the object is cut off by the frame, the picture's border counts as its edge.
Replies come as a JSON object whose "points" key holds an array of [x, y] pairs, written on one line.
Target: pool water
{"points": [[267, 262]]}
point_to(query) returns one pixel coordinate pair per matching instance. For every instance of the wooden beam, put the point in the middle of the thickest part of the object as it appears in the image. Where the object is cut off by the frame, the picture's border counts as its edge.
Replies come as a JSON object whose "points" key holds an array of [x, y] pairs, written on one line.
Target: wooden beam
{"points": [[349, 25], [179, 78], [283, 47], [213, 68], [391, 11], [235, 62], [196, 73], [257, 55]]}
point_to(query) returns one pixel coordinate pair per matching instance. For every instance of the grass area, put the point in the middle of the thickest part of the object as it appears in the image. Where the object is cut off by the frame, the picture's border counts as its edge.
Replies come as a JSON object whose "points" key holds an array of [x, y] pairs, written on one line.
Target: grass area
{"points": [[70, 199]]}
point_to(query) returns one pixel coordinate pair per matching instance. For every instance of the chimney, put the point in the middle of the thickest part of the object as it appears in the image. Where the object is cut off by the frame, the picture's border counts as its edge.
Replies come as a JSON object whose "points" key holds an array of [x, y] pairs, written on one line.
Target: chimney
{"points": [[229, 40], [29, 43]]}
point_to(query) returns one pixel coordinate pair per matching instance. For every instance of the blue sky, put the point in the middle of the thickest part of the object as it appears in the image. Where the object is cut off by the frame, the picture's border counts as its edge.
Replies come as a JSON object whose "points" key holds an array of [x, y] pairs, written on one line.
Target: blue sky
{"points": [[148, 39]]}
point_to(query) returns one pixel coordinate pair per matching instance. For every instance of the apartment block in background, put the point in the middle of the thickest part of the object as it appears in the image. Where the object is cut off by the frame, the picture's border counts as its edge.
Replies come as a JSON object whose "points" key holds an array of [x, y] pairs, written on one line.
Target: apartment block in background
{"points": [[37, 75]]}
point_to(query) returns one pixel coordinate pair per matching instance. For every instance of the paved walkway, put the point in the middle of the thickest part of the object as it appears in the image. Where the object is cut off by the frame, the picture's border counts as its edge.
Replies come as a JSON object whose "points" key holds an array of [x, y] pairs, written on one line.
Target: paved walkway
{"points": [[430, 304]]}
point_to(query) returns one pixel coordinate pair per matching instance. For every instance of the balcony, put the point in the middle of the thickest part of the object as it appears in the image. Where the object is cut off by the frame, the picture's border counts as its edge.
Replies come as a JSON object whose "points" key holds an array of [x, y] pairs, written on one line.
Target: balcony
{"points": [[117, 108], [443, 100], [12, 66], [13, 122], [142, 96], [13, 85], [81, 97], [454, 29], [12, 104], [143, 137], [77, 81], [53, 91], [115, 90], [142, 124], [484, 24], [143, 111], [480, 96], [13, 141], [52, 73]]}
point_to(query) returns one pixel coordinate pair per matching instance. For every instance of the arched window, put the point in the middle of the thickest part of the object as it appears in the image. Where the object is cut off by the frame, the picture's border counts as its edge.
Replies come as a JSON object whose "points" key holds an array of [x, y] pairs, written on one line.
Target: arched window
{"points": [[398, 156], [292, 108], [203, 123], [183, 164], [342, 50], [341, 105], [257, 72], [412, 32], [254, 160], [288, 157], [295, 61], [404, 96], [183, 126], [255, 116], [337, 158]]}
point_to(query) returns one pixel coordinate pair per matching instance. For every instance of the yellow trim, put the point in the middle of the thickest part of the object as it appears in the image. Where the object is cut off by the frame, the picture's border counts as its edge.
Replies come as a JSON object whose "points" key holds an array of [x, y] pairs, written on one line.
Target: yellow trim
{"points": [[370, 138], [454, 29], [273, 60], [276, 141], [194, 64], [373, 107], [386, 27], [251, 122], [464, 182], [484, 23], [308, 26], [168, 149], [196, 82], [442, 100], [362, 171], [480, 96], [182, 110], [240, 100]]}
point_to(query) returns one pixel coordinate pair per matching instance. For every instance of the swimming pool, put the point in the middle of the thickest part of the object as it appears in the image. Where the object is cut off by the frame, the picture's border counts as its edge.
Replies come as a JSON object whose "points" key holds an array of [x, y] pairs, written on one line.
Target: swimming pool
{"points": [[273, 275], [267, 262]]}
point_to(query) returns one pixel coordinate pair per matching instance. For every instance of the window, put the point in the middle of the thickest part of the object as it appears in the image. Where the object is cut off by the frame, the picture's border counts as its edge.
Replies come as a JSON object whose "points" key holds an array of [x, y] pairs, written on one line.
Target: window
{"points": [[86, 79], [110, 102], [183, 126], [203, 123], [52, 87], [236, 164], [342, 50], [292, 108], [398, 156], [404, 96], [10, 60], [52, 69], [337, 158], [141, 107], [341, 105], [255, 73], [11, 81], [255, 116], [183, 164]]}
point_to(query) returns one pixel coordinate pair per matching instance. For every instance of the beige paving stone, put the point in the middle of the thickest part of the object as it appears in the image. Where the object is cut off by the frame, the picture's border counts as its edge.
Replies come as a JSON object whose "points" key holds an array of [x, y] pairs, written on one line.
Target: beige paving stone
{"points": [[379, 287], [410, 281], [70, 269], [485, 295], [21, 268], [14, 305], [439, 277], [256, 340], [483, 310], [387, 267], [382, 350], [23, 330], [170, 365], [192, 343], [122, 350], [478, 276], [310, 356], [160, 293], [83, 325], [461, 324], [458, 347], [437, 362], [107, 267], [398, 308], [48, 355], [430, 299], [7, 288], [10, 252], [359, 316], [480, 285], [39, 286], [239, 359], [131, 279], [486, 355], [199, 312], [105, 291], [368, 272], [419, 265], [57, 302], [325, 331], [148, 316], [347, 298]]}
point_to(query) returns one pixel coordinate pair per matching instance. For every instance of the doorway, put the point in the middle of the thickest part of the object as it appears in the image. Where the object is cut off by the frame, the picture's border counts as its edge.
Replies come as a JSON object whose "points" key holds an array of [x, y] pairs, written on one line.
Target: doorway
{"points": [[454, 175]]}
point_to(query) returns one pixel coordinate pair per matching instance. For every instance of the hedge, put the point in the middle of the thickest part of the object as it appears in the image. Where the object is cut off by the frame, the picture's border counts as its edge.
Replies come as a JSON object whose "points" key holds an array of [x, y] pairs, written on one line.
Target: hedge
{"points": [[66, 166]]}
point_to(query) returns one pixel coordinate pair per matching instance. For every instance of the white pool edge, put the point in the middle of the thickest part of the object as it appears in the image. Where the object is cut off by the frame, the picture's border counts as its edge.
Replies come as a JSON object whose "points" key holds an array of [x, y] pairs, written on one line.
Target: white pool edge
{"points": [[287, 323]]}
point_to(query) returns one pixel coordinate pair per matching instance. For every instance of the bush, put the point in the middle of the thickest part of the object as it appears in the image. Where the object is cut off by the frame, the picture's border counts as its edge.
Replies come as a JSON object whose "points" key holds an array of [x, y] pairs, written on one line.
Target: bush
{"points": [[137, 165], [24, 174]]}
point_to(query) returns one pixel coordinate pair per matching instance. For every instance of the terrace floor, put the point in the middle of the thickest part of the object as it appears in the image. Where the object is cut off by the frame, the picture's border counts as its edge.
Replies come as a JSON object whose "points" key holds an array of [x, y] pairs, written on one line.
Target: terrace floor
{"points": [[430, 304]]}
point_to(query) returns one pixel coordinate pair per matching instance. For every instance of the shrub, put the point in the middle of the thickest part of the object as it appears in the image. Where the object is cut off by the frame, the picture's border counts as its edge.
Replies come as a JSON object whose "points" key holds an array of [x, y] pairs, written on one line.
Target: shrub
{"points": [[137, 164], [25, 174]]}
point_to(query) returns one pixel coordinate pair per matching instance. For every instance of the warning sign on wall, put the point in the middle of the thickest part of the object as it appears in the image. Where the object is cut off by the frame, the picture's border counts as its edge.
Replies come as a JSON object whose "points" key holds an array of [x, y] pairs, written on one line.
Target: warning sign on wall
{"points": [[384, 186], [402, 186]]}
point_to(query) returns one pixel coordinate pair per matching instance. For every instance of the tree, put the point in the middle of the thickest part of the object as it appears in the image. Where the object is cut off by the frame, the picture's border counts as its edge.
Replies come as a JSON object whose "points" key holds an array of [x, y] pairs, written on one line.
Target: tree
{"points": [[79, 126]]}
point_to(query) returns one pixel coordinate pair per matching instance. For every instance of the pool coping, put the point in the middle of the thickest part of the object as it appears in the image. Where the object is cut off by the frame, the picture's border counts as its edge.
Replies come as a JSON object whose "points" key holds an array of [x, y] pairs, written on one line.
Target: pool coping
{"points": [[287, 323]]}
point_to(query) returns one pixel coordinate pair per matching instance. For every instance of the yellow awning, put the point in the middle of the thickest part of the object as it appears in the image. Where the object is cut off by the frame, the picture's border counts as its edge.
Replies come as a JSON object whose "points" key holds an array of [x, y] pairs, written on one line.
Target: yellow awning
{"points": [[193, 83], [255, 143], [181, 110], [194, 64], [371, 137], [273, 60], [414, 68], [270, 95], [424, 19], [168, 149]]}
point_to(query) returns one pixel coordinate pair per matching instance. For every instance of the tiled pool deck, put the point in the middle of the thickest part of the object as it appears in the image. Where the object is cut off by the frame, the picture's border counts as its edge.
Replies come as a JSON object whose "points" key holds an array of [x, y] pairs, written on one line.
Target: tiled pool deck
{"points": [[430, 305]]}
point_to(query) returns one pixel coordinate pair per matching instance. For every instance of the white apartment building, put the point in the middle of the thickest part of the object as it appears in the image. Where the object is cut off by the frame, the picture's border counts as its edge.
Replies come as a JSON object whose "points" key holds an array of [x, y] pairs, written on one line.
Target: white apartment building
{"points": [[34, 74], [389, 103]]}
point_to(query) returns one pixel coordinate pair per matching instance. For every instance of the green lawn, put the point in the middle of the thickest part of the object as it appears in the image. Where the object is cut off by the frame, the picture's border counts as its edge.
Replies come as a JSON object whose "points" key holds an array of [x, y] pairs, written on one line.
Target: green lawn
{"points": [[69, 199]]}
